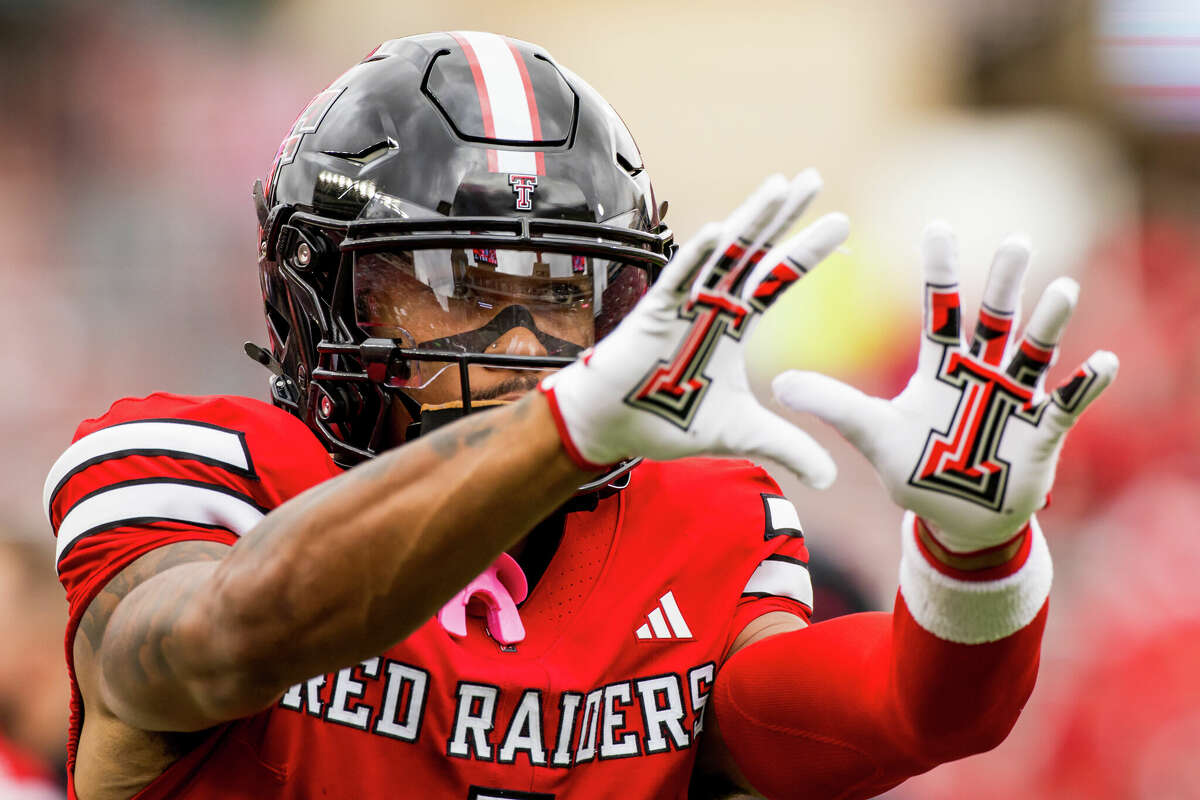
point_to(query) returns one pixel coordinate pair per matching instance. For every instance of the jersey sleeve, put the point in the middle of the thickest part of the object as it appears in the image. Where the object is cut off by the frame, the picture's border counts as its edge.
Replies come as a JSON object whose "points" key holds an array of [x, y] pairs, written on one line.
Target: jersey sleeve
{"points": [[852, 706], [780, 580], [164, 469]]}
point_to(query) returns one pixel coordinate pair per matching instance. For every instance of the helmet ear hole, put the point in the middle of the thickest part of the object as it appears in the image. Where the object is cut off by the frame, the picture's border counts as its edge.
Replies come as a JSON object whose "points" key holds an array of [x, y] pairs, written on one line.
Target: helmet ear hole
{"points": [[338, 403], [300, 250]]}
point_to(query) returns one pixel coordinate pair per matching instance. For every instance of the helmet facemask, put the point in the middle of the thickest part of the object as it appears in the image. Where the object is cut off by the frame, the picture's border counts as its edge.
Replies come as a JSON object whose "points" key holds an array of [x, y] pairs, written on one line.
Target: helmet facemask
{"points": [[452, 313]]}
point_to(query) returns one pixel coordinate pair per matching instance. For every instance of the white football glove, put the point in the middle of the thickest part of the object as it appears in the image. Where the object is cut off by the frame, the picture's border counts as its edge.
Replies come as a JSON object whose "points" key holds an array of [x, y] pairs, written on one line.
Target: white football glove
{"points": [[670, 380], [972, 442]]}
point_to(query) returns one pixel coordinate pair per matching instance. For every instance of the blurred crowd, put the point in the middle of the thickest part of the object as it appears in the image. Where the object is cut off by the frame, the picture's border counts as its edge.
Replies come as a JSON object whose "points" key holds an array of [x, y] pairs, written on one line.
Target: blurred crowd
{"points": [[133, 132]]}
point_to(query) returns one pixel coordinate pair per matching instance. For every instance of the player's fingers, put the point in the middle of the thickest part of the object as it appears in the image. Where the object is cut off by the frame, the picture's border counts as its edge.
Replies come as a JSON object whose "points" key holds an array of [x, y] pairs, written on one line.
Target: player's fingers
{"points": [[760, 433], [748, 224], [800, 192], [1046, 324], [802, 188], [792, 260], [942, 318], [750, 219], [1001, 296], [1077, 392], [855, 415], [677, 277]]}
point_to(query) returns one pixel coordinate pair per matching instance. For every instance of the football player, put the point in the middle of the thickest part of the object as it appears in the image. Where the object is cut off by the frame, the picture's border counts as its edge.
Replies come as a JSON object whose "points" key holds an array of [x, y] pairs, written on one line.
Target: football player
{"points": [[414, 575]]}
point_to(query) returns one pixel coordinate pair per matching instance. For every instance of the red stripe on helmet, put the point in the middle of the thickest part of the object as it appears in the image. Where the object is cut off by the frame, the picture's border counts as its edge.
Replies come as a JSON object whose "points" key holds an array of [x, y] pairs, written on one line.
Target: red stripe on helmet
{"points": [[530, 101], [485, 103]]}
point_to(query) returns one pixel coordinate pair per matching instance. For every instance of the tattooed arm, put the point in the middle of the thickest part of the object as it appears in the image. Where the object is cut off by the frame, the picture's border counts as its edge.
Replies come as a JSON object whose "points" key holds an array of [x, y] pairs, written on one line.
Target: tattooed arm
{"points": [[113, 759], [335, 575]]}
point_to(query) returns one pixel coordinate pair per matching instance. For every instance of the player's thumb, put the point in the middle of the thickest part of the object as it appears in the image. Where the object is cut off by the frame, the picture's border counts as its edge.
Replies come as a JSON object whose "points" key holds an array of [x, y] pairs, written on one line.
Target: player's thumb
{"points": [[761, 433], [847, 409]]}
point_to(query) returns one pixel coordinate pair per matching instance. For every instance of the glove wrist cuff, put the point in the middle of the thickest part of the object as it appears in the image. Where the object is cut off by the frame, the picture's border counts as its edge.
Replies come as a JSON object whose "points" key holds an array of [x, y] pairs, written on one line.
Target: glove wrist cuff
{"points": [[990, 563], [564, 433], [977, 609]]}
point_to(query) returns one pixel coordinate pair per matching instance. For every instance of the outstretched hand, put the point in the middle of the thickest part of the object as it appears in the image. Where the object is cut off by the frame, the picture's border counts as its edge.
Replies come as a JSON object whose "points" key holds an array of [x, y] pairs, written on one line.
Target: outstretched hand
{"points": [[670, 380], [972, 443]]}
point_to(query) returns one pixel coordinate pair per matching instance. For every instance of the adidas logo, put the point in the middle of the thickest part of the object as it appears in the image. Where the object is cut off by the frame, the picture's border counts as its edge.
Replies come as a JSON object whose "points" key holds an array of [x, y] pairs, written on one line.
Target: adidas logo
{"points": [[664, 622]]}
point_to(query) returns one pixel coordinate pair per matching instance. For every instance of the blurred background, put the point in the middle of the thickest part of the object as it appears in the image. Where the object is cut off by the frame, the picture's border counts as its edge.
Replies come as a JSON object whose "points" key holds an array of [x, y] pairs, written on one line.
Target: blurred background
{"points": [[133, 131]]}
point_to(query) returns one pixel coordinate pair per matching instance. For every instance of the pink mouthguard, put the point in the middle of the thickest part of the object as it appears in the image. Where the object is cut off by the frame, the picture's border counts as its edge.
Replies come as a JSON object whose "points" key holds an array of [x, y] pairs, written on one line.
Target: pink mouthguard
{"points": [[495, 593]]}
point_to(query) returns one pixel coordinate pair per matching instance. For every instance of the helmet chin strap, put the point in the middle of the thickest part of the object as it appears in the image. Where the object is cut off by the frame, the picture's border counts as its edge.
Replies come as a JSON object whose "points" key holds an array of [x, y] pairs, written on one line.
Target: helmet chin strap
{"points": [[435, 416]]}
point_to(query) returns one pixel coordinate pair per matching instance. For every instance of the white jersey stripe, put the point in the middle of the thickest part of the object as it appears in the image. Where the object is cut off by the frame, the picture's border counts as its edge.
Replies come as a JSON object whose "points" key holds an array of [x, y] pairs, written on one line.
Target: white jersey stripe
{"points": [[781, 579], [782, 516], [506, 100], [682, 630], [157, 500], [182, 439]]}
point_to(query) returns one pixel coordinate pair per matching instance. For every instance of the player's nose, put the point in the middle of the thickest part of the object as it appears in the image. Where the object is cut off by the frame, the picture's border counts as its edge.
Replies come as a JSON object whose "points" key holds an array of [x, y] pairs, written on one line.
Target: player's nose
{"points": [[517, 341]]}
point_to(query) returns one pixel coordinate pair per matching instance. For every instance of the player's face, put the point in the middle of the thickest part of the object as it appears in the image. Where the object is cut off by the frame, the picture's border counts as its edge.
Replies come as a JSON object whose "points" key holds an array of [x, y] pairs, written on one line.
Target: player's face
{"points": [[446, 300]]}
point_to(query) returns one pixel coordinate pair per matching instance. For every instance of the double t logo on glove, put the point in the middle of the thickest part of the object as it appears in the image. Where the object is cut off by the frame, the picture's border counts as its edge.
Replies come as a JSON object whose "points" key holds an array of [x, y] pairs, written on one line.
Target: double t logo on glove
{"points": [[674, 390], [972, 442]]}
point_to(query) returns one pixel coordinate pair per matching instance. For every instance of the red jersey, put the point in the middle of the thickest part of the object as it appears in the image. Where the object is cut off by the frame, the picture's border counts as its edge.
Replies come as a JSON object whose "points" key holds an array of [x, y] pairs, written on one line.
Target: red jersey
{"points": [[605, 697]]}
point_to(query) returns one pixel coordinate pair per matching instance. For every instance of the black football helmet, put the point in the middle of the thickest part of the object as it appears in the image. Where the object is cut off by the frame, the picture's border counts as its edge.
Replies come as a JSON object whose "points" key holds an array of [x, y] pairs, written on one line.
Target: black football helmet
{"points": [[446, 190]]}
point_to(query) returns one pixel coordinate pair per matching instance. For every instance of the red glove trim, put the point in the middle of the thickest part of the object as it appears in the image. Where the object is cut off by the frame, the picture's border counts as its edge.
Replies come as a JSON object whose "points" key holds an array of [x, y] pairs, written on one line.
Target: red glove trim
{"points": [[565, 435], [990, 564]]}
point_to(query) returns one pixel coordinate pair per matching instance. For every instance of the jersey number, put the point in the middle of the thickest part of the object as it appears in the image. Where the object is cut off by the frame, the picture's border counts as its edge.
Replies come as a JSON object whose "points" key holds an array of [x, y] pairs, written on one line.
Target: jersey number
{"points": [[488, 793]]}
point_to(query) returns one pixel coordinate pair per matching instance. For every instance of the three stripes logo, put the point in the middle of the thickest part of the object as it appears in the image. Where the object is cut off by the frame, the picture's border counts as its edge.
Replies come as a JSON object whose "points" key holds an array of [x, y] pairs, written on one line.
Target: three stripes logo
{"points": [[665, 622]]}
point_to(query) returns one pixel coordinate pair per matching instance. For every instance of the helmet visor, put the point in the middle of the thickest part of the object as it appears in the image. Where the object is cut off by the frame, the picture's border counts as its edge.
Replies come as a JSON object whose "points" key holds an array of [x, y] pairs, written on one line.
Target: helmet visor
{"points": [[490, 300]]}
